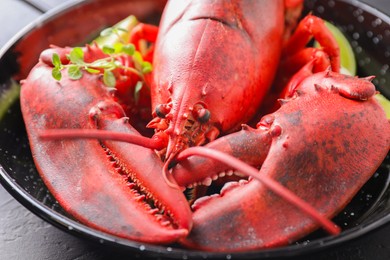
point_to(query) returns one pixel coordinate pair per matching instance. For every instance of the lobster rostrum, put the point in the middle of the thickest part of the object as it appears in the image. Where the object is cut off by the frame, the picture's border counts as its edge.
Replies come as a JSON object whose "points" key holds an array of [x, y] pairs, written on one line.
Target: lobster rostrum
{"points": [[310, 147]]}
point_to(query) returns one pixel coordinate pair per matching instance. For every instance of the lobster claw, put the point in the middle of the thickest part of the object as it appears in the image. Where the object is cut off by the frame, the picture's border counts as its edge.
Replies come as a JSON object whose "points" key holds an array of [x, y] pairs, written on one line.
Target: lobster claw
{"points": [[323, 144], [101, 183]]}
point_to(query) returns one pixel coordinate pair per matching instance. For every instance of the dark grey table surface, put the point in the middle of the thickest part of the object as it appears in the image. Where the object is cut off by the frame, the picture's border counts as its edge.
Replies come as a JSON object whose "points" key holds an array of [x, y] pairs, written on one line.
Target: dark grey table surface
{"points": [[25, 236]]}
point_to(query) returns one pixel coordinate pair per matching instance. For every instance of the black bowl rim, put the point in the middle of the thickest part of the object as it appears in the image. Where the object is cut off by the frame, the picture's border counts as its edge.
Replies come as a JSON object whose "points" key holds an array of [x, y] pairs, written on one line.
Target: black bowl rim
{"points": [[80, 230], [51, 14]]}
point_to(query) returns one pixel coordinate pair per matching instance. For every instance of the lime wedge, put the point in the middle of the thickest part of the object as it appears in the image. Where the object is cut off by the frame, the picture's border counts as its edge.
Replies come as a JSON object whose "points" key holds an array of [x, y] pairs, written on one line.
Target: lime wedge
{"points": [[385, 104], [347, 57], [120, 32]]}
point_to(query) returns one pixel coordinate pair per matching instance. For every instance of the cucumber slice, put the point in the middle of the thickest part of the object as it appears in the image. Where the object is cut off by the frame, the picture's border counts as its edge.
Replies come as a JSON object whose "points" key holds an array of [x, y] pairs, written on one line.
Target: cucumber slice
{"points": [[385, 104], [120, 32]]}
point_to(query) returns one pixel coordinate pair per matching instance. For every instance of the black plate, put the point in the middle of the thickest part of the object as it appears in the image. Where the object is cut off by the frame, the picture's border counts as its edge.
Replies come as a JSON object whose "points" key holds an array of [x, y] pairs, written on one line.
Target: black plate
{"points": [[367, 29]]}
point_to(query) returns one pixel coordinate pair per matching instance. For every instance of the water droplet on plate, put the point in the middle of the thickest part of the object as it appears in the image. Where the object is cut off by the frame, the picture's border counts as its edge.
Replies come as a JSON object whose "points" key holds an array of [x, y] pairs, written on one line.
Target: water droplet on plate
{"points": [[320, 9], [376, 22], [384, 69]]}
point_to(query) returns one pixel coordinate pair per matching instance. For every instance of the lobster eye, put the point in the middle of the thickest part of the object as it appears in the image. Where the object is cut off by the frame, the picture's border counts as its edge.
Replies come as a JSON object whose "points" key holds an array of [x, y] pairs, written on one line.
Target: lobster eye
{"points": [[161, 110], [203, 115]]}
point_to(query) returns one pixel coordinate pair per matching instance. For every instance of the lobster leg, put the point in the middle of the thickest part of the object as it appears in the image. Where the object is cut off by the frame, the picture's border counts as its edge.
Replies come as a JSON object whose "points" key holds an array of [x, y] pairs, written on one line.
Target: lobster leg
{"points": [[296, 55], [102, 184], [312, 26], [144, 32], [327, 141]]}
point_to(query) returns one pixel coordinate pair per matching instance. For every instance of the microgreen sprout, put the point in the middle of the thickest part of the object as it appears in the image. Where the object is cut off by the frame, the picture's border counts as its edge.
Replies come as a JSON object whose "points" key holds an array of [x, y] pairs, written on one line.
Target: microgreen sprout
{"points": [[77, 65]]}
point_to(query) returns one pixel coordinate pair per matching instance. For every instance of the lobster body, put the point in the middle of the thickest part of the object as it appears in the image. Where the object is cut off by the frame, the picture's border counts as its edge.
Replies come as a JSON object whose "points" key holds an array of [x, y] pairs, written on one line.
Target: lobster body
{"points": [[214, 62], [193, 64], [323, 144], [108, 187]]}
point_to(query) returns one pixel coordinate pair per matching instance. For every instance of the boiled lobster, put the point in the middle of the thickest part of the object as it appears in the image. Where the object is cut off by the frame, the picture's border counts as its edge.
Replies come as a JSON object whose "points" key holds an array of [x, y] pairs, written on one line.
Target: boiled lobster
{"points": [[314, 152]]}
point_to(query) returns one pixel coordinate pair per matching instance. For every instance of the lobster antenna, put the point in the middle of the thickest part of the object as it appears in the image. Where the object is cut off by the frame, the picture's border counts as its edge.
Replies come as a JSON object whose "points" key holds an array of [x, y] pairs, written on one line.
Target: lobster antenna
{"points": [[61, 134], [166, 174], [57, 134], [276, 187]]}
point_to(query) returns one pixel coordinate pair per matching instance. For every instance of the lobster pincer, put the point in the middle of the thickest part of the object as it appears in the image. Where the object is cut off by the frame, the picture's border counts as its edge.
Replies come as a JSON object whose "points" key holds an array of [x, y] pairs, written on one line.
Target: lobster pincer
{"points": [[323, 144], [113, 187]]}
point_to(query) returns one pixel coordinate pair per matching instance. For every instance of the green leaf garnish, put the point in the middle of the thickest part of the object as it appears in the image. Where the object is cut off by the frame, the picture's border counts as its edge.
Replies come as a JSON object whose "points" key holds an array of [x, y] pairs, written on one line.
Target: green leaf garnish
{"points": [[56, 73], [109, 78], [74, 72], [114, 42], [102, 64], [108, 49], [76, 56], [146, 67], [56, 60], [129, 49], [92, 71], [118, 47], [137, 57]]}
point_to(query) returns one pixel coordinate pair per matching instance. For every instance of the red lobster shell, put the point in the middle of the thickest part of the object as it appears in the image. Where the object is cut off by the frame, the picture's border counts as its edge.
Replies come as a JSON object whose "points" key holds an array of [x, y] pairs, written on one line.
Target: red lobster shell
{"points": [[103, 184], [213, 67], [214, 56], [323, 144]]}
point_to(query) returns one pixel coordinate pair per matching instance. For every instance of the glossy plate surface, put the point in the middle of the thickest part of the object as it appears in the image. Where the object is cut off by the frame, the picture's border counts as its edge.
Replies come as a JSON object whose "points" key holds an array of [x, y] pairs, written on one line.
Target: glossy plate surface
{"points": [[367, 29]]}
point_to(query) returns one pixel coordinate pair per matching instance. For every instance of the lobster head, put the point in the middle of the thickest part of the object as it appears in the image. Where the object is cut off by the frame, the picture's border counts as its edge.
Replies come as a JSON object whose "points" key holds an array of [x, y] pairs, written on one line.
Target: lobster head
{"points": [[204, 85], [182, 125]]}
